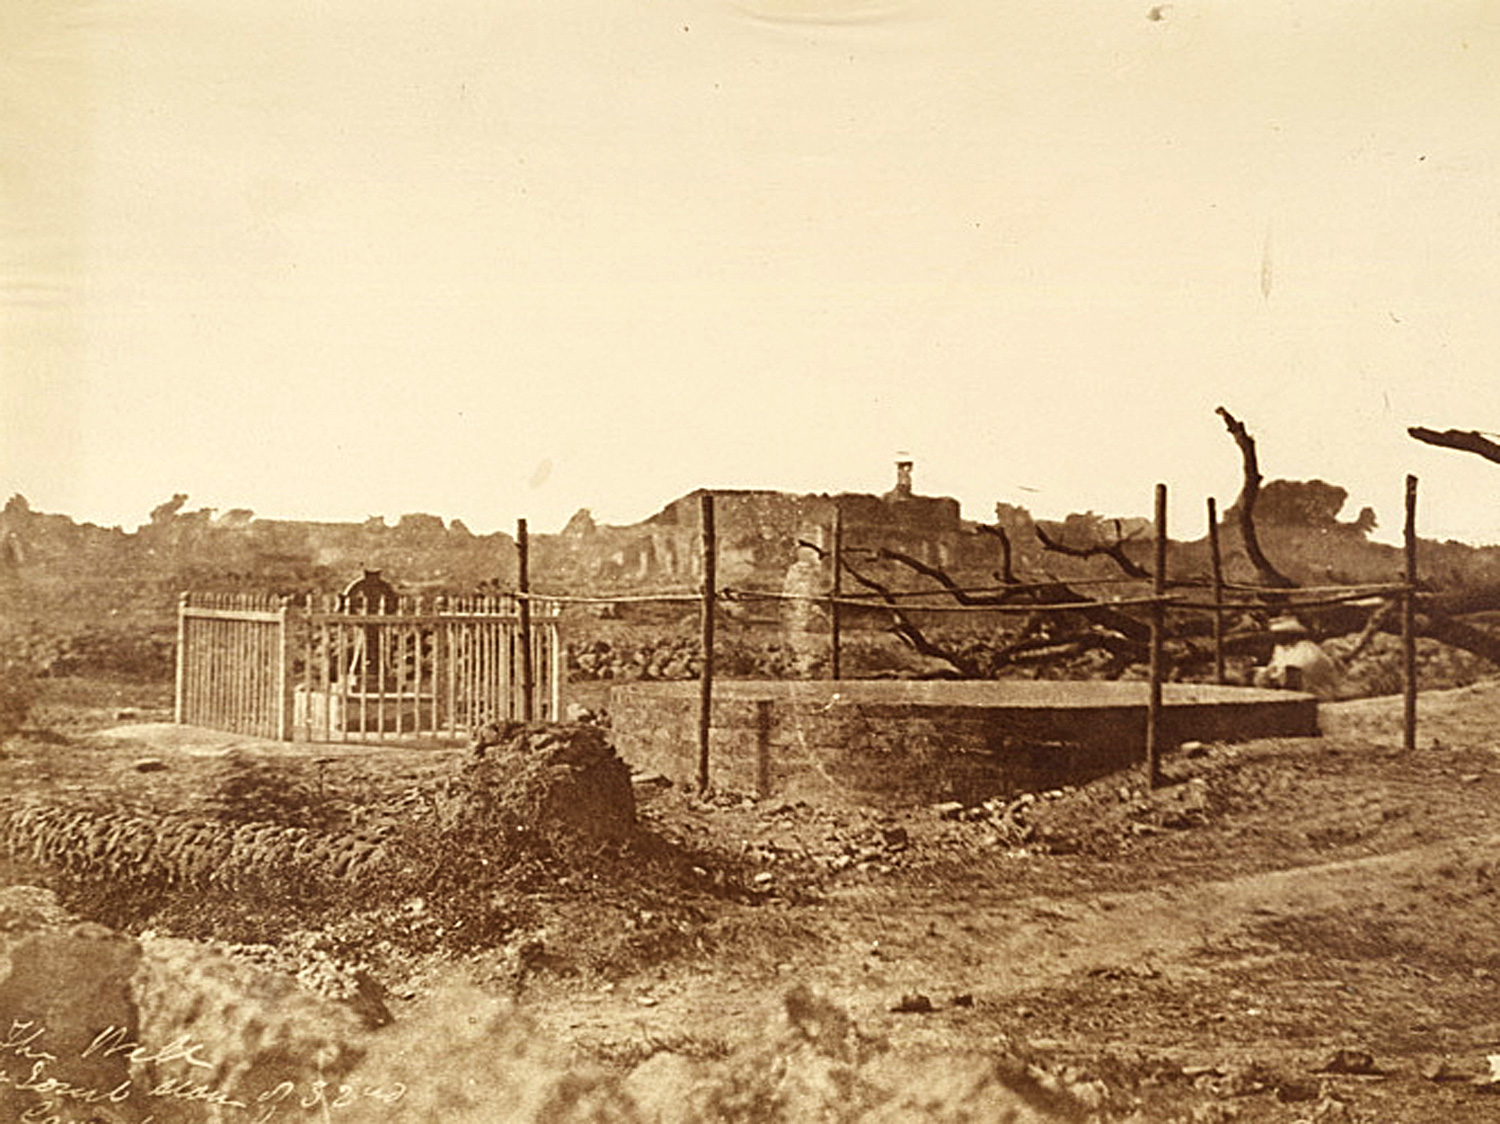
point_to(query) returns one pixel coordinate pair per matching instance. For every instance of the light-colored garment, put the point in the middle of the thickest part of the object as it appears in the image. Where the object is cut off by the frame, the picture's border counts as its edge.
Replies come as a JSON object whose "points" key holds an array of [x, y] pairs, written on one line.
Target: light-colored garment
{"points": [[1301, 666]]}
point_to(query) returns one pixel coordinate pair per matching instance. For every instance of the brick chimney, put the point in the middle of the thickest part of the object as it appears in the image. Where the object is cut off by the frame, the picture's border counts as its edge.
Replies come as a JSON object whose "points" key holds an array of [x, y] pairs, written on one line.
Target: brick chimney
{"points": [[903, 478]]}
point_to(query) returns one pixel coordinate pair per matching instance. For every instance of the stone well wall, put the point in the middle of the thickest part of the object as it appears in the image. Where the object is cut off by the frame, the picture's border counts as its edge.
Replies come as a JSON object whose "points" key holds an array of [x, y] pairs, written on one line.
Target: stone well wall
{"points": [[897, 743]]}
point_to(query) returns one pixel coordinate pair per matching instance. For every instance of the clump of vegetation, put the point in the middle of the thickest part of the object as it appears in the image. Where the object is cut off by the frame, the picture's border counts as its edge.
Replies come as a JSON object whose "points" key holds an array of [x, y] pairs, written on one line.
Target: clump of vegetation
{"points": [[253, 790], [18, 693]]}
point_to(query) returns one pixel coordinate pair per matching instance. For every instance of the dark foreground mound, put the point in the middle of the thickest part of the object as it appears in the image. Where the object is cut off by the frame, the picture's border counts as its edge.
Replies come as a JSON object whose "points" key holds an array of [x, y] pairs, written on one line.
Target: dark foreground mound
{"points": [[102, 1027]]}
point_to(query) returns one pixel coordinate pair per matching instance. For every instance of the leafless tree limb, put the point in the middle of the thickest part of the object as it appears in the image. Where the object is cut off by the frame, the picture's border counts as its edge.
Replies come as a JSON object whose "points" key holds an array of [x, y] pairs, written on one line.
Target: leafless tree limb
{"points": [[1007, 574], [1114, 551], [1465, 440], [1249, 490]]}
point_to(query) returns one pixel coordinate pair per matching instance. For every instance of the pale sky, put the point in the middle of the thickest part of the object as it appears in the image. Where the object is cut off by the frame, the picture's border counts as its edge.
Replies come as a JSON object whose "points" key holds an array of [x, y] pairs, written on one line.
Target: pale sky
{"points": [[490, 259]]}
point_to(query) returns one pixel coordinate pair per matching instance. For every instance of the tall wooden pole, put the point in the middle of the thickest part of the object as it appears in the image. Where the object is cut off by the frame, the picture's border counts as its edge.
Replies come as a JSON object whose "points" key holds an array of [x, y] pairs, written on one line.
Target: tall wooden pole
{"points": [[285, 689], [1217, 560], [1158, 627], [1409, 622], [179, 706], [834, 638], [706, 680], [523, 584]]}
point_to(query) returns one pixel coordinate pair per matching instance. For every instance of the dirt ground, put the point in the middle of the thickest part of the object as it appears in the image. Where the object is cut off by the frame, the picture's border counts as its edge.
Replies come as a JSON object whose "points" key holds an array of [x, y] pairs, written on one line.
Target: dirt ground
{"points": [[1291, 930]]}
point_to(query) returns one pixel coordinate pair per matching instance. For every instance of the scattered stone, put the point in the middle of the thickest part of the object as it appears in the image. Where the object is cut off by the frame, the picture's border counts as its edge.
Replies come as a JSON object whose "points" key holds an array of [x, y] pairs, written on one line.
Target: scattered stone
{"points": [[1330, 1109], [1441, 1069], [1296, 1092], [1194, 749], [1242, 1079], [149, 765], [914, 1003], [1195, 795], [127, 714], [763, 878], [1490, 1082], [964, 1000], [1357, 1062]]}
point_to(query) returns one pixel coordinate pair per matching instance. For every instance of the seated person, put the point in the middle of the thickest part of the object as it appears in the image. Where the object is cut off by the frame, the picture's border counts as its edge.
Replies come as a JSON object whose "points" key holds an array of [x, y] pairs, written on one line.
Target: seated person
{"points": [[1298, 663]]}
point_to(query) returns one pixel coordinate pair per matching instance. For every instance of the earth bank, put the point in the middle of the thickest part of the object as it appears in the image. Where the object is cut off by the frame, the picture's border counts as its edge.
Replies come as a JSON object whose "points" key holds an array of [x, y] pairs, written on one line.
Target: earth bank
{"points": [[1298, 929]]}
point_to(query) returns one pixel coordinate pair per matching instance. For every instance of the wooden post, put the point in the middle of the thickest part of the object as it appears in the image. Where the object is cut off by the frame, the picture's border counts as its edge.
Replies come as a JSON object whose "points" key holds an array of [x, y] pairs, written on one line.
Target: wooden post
{"points": [[706, 680], [309, 684], [523, 581], [834, 637], [1409, 622], [284, 686], [762, 748], [178, 705], [1217, 560], [1158, 627]]}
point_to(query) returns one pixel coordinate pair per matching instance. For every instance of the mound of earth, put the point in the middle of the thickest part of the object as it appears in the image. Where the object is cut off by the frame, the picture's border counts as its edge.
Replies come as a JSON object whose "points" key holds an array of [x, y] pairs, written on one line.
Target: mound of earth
{"points": [[555, 778]]}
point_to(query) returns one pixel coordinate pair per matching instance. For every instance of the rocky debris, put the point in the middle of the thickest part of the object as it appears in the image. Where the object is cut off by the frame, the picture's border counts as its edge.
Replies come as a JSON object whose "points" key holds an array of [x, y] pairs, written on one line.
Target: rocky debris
{"points": [[650, 780], [149, 765], [680, 657], [913, 1003], [577, 712], [300, 955], [1350, 1061], [1490, 1081], [1444, 1069], [821, 1066]]}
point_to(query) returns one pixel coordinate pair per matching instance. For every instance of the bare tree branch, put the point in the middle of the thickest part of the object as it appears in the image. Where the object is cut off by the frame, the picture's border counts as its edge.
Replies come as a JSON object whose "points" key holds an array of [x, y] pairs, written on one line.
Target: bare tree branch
{"points": [[1379, 619], [1007, 574], [907, 629], [1114, 551], [1249, 490], [1465, 440], [1052, 593], [950, 586]]}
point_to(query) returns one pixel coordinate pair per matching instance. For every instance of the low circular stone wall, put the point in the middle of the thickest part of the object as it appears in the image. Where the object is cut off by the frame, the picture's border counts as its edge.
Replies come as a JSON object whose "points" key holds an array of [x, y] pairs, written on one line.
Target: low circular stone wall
{"points": [[894, 743]]}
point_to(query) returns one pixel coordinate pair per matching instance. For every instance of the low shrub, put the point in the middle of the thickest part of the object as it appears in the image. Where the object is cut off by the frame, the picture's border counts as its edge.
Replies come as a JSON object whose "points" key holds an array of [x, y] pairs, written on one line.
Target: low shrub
{"points": [[18, 692]]}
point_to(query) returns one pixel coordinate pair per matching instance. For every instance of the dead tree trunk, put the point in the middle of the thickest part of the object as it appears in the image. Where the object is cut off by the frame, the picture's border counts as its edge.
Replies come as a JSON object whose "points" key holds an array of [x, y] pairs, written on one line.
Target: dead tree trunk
{"points": [[1249, 490]]}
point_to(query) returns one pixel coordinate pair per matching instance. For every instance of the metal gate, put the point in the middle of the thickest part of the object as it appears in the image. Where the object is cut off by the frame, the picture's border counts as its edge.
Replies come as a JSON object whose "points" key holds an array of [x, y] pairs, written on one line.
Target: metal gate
{"points": [[324, 669]]}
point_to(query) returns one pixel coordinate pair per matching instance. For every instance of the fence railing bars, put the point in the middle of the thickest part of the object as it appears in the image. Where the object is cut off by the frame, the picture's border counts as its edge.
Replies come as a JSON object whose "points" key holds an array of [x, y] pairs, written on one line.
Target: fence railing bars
{"points": [[324, 669]]}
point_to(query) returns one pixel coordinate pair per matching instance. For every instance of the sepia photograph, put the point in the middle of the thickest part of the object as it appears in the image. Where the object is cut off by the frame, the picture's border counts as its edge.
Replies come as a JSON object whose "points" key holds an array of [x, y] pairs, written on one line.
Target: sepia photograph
{"points": [[674, 561]]}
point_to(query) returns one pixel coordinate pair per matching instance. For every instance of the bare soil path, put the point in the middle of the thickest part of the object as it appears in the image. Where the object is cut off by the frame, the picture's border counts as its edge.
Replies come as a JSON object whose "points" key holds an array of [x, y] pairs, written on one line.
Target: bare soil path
{"points": [[1333, 908]]}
